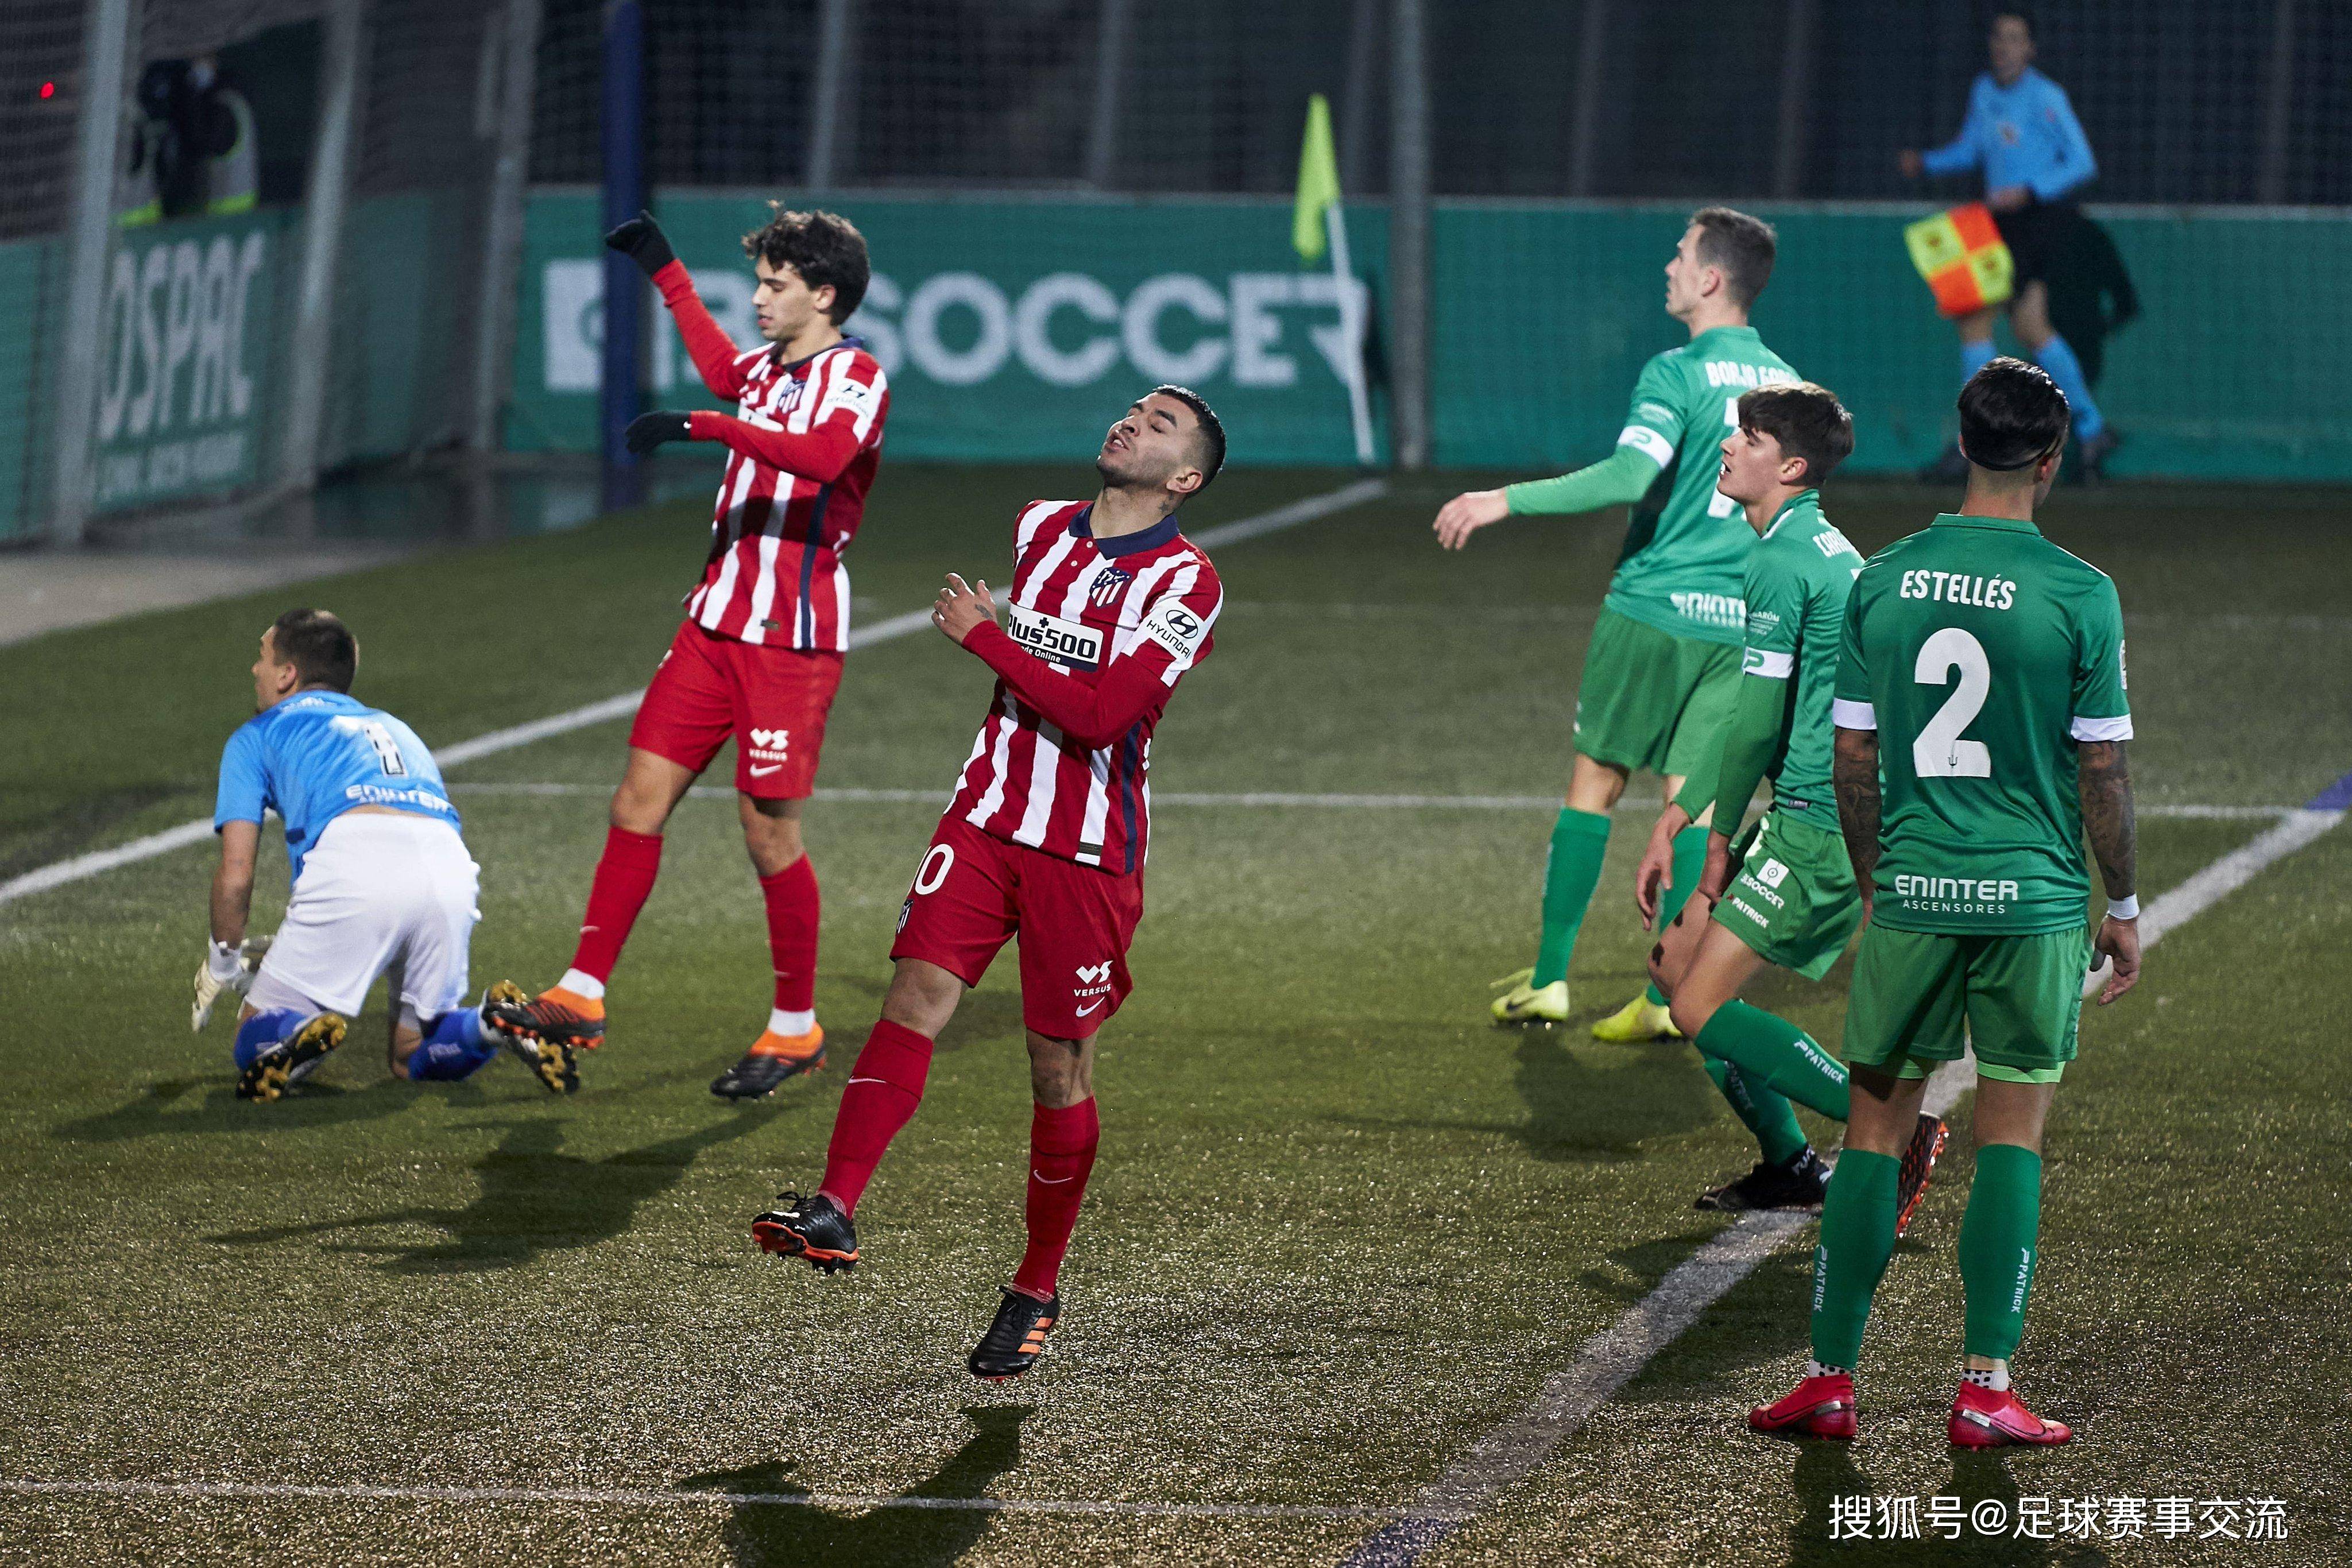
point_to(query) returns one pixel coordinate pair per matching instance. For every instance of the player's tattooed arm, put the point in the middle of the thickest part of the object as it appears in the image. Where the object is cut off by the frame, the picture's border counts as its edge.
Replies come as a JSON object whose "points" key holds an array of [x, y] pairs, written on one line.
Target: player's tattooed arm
{"points": [[1854, 775], [2103, 777]]}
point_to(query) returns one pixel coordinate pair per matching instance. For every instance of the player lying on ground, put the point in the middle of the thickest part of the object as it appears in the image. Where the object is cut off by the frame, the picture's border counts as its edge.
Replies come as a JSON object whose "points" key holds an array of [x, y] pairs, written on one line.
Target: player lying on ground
{"points": [[1045, 839], [1980, 722], [1794, 902], [1663, 662], [758, 657], [381, 880]]}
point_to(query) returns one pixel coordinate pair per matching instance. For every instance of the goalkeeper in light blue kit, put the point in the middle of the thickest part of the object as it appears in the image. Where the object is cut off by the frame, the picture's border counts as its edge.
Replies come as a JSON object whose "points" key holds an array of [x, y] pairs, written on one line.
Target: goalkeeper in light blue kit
{"points": [[381, 880]]}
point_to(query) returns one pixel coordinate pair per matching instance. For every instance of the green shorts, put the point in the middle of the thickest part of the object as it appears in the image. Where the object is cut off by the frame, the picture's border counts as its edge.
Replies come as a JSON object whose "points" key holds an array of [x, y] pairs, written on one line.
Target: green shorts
{"points": [[1918, 997], [1651, 699], [1794, 902]]}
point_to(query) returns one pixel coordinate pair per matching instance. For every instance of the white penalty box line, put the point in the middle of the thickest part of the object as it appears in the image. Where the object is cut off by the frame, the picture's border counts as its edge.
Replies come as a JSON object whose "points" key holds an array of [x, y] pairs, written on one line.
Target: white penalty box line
{"points": [[79, 868], [1614, 1357], [625, 1496]]}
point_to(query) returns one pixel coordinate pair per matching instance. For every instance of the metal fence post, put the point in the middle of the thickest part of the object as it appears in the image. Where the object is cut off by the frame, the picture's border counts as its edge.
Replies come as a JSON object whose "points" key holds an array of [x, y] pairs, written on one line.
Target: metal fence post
{"points": [[322, 240], [1110, 82], [832, 139], [2278, 105], [1584, 129], [517, 32], [106, 52], [1409, 235], [1356, 96], [623, 126], [1796, 94]]}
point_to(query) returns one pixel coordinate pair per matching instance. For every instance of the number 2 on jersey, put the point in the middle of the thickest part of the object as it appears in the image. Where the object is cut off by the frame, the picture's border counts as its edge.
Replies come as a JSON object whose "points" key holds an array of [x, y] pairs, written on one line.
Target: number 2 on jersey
{"points": [[1939, 752]]}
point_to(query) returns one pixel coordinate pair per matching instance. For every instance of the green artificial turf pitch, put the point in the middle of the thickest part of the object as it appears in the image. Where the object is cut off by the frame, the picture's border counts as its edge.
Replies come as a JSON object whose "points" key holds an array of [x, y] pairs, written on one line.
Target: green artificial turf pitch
{"points": [[1341, 1228]]}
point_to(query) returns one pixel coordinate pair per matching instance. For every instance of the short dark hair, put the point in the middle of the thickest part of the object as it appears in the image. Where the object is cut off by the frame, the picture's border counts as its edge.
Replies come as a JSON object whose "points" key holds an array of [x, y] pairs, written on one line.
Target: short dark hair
{"points": [[1808, 422], [319, 645], [1742, 246], [2012, 416], [823, 248], [1213, 429], [2032, 25]]}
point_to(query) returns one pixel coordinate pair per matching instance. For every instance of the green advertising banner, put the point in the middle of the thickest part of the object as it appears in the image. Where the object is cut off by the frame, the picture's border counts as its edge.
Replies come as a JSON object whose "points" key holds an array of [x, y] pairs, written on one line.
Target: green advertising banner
{"points": [[188, 367], [1010, 328]]}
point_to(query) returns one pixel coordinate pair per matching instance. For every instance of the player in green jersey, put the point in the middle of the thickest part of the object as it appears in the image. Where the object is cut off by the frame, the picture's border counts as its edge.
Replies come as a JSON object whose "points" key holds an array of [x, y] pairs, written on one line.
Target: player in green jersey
{"points": [[1663, 662], [1980, 729], [1794, 902]]}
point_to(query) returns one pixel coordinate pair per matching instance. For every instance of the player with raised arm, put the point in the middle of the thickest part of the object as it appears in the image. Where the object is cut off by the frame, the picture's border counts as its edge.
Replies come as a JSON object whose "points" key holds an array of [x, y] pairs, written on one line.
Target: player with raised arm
{"points": [[1784, 893], [1981, 679], [1109, 606], [1663, 662], [758, 657], [381, 880]]}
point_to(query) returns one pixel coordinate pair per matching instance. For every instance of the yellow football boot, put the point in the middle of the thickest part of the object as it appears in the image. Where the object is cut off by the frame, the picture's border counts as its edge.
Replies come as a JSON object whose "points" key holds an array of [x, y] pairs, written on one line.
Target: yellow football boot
{"points": [[1524, 1003], [1638, 1019]]}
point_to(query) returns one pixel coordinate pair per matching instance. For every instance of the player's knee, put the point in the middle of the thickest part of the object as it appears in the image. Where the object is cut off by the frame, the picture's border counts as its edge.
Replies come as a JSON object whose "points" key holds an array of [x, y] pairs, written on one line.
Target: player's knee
{"points": [[1060, 1075], [1690, 1013], [922, 997]]}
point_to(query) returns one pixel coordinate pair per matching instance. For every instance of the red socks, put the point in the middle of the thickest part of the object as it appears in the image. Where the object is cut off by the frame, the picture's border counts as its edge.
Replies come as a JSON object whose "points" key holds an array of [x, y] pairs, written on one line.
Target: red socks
{"points": [[1061, 1155], [624, 877], [792, 899], [886, 1084]]}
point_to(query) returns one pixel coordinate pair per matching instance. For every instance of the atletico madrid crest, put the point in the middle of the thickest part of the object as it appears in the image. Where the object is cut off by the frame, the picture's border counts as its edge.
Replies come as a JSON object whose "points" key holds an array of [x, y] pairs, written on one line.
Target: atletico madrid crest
{"points": [[1109, 585]]}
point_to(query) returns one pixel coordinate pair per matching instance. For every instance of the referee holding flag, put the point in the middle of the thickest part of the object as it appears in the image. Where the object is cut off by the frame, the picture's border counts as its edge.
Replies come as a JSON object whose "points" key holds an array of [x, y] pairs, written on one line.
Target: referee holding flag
{"points": [[2021, 130]]}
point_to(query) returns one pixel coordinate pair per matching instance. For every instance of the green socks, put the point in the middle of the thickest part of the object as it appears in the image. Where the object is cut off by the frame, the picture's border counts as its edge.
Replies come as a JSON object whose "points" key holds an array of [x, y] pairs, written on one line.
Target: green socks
{"points": [[1997, 1247], [1690, 859], [1767, 1111], [1770, 1049], [1579, 840], [1857, 1239]]}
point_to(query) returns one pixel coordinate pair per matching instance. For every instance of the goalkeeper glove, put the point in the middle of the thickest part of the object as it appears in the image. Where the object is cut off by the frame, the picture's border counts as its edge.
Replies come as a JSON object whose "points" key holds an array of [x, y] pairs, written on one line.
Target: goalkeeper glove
{"points": [[228, 966], [648, 430], [641, 240]]}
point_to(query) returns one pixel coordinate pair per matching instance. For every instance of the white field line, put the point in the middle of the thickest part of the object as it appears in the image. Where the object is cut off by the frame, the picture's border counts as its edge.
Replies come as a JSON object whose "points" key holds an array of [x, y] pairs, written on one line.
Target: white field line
{"points": [[1613, 1357], [630, 1497], [60, 872]]}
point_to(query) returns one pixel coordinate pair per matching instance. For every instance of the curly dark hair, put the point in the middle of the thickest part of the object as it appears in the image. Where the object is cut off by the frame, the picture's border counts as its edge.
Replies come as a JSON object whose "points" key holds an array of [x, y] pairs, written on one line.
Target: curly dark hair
{"points": [[823, 248], [1808, 422]]}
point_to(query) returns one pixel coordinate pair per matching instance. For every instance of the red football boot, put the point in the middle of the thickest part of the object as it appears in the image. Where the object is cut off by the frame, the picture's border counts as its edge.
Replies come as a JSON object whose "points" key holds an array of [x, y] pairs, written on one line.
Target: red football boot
{"points": [[1817, 1407], [1989, 1419]]}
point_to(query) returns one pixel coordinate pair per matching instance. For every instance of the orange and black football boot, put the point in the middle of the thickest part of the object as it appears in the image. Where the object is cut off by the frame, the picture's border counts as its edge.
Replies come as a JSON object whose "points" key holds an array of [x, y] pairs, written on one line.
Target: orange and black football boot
{"points": [[1798, 1182], [1928, 1141], [812, 1229], [555, 1016], [773, 1059], [1017, 1338], [1996, 1418], [1820, 1406]]}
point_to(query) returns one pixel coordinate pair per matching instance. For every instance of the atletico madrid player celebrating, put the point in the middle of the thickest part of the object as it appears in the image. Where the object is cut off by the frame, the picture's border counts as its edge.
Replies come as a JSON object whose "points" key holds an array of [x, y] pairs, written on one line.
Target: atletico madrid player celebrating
{"points": [[1045, 838], [758, 658]]}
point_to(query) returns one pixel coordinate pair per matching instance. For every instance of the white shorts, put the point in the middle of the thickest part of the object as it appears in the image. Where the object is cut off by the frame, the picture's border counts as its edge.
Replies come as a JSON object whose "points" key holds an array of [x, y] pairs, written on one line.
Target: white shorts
{"points": [[379, 890]]}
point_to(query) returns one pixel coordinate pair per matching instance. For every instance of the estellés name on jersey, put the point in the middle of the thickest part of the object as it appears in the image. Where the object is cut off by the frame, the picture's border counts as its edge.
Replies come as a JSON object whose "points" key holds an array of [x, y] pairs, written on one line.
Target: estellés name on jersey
{"points": [[1686, 551], [1798, 576], [1083, 605], [1984, 656], [775, 574]]}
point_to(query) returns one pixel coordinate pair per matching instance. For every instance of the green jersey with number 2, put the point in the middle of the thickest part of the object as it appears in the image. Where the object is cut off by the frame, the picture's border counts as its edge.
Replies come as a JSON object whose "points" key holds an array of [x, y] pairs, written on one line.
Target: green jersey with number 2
{"points": [[1798, 580], [1687, 549], [1982, 655]]}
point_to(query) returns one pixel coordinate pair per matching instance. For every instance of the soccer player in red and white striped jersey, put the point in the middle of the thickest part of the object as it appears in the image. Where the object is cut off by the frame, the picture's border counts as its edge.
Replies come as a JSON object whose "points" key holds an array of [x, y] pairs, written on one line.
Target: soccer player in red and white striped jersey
{"points": [[1109, 606], [758, 657]]}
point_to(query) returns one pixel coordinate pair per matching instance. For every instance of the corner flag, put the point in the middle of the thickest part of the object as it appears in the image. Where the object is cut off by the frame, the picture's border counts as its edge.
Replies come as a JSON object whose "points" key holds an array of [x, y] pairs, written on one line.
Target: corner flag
{"points": [[1318, 180]]}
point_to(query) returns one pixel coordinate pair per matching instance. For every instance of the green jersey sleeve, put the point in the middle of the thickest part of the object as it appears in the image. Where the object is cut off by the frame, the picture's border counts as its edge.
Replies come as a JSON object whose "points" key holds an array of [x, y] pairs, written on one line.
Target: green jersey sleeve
{"points": [[1850, 708], [1775, 615], [1655, 423], [2102, 710]]}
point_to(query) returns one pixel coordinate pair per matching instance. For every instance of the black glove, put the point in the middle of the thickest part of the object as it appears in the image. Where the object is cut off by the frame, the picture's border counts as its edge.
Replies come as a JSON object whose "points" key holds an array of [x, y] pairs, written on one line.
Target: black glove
{"points": [[648, 430], [641, 240]]}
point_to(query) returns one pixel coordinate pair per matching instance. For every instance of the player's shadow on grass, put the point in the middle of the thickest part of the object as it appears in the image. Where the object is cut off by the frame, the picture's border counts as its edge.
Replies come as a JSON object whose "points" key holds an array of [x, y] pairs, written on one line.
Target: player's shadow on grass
{"points": [[763, 1533], [177, 1106], [533, 1199], [1825, 1472]]}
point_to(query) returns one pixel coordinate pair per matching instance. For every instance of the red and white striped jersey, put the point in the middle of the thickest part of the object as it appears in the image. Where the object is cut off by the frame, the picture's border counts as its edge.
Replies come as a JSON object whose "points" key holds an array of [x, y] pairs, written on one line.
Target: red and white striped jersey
{"points": [[1097, 634], [775, 574]]}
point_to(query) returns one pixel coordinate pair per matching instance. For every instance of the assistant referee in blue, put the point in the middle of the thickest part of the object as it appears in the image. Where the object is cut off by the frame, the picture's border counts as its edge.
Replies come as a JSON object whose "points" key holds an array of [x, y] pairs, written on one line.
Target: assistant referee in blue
{"points": [[2021, 130]]}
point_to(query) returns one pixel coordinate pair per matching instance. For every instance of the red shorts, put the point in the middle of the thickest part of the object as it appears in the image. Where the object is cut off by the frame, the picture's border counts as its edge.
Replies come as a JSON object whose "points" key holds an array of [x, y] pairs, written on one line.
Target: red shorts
{"points": [[973, 891], [771, 701]]}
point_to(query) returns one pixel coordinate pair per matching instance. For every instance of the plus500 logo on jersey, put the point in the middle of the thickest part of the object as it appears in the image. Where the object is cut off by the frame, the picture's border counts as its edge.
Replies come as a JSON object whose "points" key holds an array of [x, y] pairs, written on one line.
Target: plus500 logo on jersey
{"points": [[1069, 643]]}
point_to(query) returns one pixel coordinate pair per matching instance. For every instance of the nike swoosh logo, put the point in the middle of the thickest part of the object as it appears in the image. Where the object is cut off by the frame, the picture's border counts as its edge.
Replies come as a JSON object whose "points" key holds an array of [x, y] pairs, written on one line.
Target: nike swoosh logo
{"points": [[1084, 1012], [1050, 1181], [763, 772], [866, 1081]]}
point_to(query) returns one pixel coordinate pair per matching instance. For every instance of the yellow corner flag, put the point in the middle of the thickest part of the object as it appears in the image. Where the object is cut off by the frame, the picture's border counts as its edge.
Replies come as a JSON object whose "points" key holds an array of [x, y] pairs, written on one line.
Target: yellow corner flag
{"points": [[1318, 180]]}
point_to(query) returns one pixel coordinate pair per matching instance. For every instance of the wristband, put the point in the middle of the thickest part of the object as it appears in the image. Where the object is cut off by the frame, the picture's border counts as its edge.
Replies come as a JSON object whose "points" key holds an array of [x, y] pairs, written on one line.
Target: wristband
{"points": [[224, 959], [2124, 908]]}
